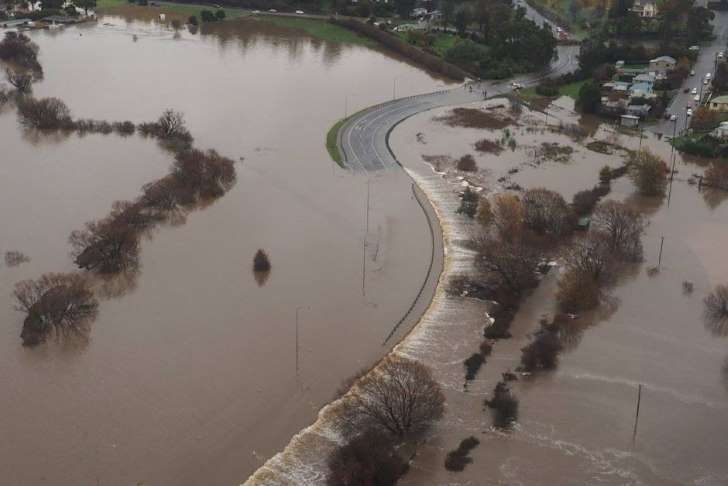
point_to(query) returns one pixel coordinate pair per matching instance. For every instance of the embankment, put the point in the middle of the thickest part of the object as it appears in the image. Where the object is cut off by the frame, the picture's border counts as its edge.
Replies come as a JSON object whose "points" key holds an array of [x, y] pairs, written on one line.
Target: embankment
{"points": [[394, 43]]}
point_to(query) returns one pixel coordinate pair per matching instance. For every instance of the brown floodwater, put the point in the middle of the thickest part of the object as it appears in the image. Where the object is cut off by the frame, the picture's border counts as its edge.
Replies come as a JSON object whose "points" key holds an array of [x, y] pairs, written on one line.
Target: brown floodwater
{"points": [[191, 375], [575, 424]]}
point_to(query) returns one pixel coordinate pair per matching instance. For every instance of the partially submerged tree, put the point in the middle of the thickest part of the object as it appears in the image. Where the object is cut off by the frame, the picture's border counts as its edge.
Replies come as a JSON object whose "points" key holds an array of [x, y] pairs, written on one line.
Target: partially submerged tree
{"points": [[20, 80], [467, 163], [621, 227], [400, 396], [457, 459], [107, 246], [512, 262], [261, 262], [577, 291], [202, 175], [508, 214], [60, 304], [18, 49], [543, 352], [366, 460], [546, 212], [649, 173], [504, 405], [716, 309], [44, 113]]}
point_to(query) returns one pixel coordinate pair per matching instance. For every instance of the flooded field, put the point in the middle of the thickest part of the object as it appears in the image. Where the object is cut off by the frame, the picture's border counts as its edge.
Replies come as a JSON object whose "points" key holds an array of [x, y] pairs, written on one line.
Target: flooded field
{"points": [[195, 372], [575, 424]]}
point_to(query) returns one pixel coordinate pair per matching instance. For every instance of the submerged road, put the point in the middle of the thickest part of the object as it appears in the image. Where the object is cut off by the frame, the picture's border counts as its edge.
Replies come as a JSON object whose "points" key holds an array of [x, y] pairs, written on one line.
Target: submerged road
{"points": [[362, 140]]}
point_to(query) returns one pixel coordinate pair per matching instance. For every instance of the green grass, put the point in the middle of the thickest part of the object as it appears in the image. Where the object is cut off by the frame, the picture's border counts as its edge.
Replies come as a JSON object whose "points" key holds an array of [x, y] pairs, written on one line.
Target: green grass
{"points": [[571, 90], [320, 29], [108, 6], [332, 142]]}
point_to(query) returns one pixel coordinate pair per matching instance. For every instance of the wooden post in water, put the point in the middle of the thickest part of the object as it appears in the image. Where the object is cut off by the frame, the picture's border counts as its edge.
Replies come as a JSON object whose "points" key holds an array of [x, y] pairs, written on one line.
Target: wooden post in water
{"points": [[637, 413]]}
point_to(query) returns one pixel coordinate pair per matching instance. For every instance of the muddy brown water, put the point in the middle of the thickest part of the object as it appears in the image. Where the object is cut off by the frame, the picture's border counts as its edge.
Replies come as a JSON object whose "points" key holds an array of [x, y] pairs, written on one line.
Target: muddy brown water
{"points": [[575, 424], [190, 376]]}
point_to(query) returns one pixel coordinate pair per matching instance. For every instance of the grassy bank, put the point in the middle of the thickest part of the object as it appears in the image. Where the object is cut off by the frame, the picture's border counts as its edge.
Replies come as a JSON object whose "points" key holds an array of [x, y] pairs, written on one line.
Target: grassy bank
{"points": [[571, 90], [182, 9], [332, 142], [319, 28]]}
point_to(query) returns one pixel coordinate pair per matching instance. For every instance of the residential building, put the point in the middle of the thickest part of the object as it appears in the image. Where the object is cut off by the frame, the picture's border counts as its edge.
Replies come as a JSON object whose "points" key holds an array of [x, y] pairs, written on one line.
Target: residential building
{"points": [[721, 131], [646, 9], [629, 121], [719, 103], [662, 64], [640, 111]]}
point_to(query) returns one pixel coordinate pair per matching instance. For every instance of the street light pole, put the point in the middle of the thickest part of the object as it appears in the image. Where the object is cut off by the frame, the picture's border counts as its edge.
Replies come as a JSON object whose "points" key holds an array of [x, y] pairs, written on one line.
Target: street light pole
{"points": [[298, 309], [394, 89]]}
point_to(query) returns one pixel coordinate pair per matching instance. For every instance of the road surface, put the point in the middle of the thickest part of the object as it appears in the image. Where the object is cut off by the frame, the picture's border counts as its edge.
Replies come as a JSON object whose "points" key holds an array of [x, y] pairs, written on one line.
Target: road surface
{"points": [[362, 139]]}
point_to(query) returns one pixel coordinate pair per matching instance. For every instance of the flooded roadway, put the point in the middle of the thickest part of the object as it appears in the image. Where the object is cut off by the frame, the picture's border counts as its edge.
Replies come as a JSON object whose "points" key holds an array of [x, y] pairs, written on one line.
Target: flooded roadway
{"points": [[190, 375], [575, 424]]}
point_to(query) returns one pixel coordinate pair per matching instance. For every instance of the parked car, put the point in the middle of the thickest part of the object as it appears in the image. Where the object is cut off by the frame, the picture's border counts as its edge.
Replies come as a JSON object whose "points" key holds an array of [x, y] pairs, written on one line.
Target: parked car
{"points": [[299, 12], [692, 72], [272, 10], [707, 75], [696, 98], [256, 12], [694, 91], [516, 86], [673, 118], [686, 90], [705, 82], [690, 112], [694, 48]]}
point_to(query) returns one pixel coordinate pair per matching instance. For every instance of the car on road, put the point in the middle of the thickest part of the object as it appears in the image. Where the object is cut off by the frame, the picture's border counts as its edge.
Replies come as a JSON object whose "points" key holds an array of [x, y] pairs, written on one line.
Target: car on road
{"points": [[673, 118], [255, 12], [690, 112], [707, 75], [516, 86], [692, 72], [705, 82], [272, 10], [696, 98], [694, 91], [299, 12], [694, 48]]}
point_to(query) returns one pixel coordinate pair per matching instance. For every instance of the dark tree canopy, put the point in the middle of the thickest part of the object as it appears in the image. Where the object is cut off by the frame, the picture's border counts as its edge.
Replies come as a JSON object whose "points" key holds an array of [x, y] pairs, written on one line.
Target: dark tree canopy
{"points": [[369, 459]]}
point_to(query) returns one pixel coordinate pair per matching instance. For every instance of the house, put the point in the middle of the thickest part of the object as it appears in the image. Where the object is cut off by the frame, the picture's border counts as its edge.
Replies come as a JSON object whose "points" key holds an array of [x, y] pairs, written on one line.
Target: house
{"points": [[629, 121], [640, 111], [647, 78], [616, 86], [721, 131], [641, 90], [719, 104], [418, 12], [662, 64], [646, 9]]}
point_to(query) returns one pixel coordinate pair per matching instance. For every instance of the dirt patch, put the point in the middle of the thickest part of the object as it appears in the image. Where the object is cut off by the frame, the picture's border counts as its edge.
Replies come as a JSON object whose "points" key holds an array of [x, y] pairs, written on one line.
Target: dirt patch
{"points": [[488, 146], [555, 152], [440, 163], [474, 118]]}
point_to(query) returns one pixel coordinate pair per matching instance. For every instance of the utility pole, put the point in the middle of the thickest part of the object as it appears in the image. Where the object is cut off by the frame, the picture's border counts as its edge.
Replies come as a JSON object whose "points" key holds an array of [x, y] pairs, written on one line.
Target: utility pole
{"points": [[298, 309], [394, 89], [659, 257], [637, 413]]}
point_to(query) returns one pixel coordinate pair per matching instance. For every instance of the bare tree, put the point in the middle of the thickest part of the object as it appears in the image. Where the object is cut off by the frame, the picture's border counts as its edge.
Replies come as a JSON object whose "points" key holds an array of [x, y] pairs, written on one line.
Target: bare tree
{"points": [[172, 124], [649, 173], [542, 352], [56, 303], [508, 216], [399, 396], [546, 212], [261, 262], [622, 228], [107, 246], [716, 310], [202, 175], [18, 49], [577, 291], [44, 113], [513, 262], [21, 81], [484, 214], [591, 256], [504, 405]]}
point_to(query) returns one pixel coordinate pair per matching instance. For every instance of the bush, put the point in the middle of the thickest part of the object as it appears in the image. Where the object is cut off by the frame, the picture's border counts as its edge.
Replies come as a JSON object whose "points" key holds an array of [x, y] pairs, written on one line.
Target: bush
{"points": [[468, 203], [261, 263], [220, 15], [717, 175], [207, 16], [367, 459], [467, 163], [542, 353], [44, 113], [192, 20], [457, 460], [589, 97], [18, 49], [504, 405], [473, 365], [605, 175], [716, 304]]}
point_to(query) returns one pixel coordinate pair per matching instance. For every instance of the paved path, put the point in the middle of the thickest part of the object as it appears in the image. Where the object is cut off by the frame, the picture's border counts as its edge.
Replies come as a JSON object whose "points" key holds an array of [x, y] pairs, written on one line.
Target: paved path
{"points": [[363, 138]]}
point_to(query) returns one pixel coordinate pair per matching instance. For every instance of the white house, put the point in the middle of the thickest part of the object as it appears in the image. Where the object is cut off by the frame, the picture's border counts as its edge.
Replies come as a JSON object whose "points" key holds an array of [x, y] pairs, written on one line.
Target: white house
{"points": [[721, 131], [646, 9], [662, 64]]}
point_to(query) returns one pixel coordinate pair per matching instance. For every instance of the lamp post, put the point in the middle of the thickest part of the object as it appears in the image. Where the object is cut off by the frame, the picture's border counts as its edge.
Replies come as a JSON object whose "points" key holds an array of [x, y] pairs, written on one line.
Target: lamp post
{"points": [[394, 89], [298, 309]]}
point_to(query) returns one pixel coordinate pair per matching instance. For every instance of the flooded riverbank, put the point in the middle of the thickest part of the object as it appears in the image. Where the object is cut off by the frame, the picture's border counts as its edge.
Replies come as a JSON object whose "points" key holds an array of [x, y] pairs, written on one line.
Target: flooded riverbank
{"points": [[192, 377], [575, 424]]}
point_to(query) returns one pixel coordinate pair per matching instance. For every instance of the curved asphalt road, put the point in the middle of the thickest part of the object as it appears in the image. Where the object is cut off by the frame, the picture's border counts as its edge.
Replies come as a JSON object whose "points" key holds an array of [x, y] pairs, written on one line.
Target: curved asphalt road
{"points": [[362, 139]]}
